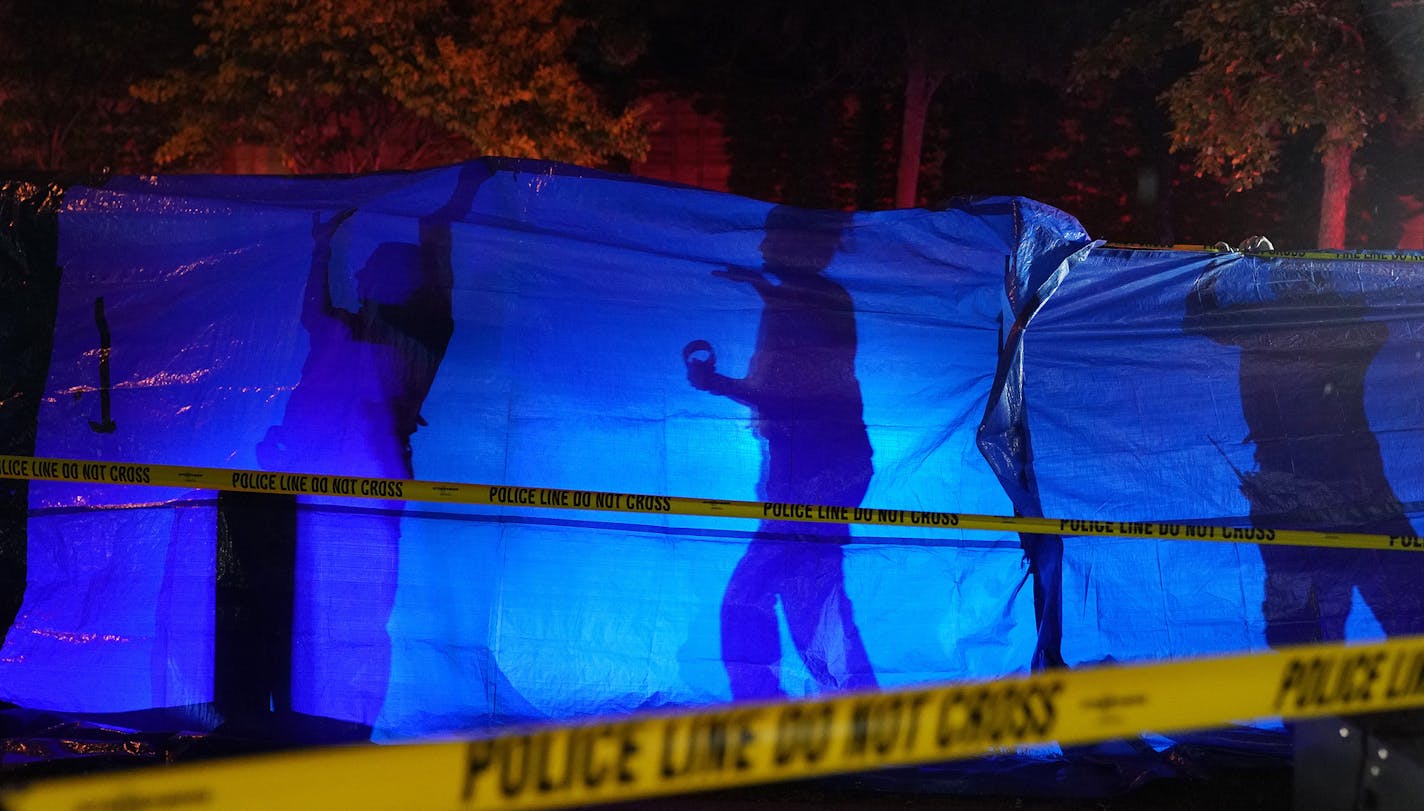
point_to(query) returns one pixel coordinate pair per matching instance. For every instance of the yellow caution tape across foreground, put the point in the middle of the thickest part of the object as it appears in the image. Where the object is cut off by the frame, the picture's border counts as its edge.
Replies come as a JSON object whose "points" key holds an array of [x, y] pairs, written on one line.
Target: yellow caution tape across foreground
{"points": [[735, 745], [261, 481]]}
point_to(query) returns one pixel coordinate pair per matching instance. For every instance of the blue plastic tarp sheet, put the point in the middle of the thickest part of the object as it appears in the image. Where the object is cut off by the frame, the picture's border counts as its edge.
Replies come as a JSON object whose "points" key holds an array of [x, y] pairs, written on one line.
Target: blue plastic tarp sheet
{"points": [[1230, 389], [524, 324], [515, 323]]}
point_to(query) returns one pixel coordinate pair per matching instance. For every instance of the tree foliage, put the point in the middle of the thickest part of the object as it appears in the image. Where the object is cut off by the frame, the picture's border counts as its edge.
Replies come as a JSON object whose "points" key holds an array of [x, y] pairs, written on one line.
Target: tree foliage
{"points": [[852, 66], [65, 71], [1264, 73], [361, 85], [1298, 67]]}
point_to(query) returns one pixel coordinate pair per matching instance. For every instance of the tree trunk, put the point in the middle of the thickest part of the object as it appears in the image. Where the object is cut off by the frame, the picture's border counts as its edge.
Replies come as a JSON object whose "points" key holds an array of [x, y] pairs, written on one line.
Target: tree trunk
{"points": [[920, 87], [1335, 196]]}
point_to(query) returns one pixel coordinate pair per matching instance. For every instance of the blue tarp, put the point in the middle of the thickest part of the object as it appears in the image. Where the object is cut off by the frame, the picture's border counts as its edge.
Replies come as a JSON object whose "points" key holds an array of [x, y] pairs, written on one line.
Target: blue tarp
{"points": [[1224, 389], [510, 323], [531, 324]]}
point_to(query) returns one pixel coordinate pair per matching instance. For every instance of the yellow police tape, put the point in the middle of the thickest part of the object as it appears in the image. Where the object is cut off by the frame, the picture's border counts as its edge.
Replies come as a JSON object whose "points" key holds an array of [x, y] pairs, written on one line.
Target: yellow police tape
{"points": [[260, 481], [735, 745]]}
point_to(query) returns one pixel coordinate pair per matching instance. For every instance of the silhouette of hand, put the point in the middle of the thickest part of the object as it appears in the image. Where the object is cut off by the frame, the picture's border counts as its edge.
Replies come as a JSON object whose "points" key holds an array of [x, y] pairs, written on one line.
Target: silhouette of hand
{"points": [[322, 232], [699, 374], [738, 274], [701, 364]]}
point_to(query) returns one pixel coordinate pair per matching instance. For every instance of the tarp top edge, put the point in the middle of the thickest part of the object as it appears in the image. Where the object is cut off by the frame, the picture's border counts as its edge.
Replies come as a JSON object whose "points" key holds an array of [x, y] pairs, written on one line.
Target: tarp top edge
{"points": [[1317, 254]]}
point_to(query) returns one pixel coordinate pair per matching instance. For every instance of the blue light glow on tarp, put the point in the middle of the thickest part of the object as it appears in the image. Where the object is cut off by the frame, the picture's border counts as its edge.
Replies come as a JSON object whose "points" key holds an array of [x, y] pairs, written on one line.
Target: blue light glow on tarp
{"points": [[525, 324], [1228, 389]]}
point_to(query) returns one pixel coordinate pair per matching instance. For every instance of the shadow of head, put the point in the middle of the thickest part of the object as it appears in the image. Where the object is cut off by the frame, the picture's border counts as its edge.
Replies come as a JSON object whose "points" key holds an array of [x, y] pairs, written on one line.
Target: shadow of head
{"points": [[391, 275], [802, 241]]}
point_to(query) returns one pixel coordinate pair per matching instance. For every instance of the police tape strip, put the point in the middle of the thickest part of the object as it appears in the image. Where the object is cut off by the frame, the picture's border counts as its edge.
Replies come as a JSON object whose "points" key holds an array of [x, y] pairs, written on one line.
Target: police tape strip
{"points": [[1343, 256], [61, 470], [737, 745], [314, 484]]}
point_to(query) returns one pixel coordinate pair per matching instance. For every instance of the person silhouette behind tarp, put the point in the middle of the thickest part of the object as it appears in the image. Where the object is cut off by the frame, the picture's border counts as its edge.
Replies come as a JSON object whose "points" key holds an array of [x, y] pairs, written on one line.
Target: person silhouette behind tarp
{"points": [[353, 412], [806, 407], [1305, 351]]}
